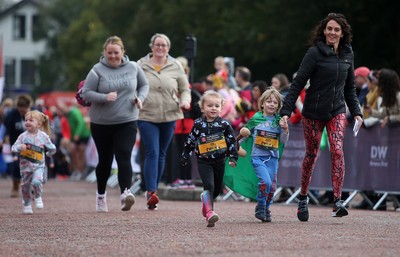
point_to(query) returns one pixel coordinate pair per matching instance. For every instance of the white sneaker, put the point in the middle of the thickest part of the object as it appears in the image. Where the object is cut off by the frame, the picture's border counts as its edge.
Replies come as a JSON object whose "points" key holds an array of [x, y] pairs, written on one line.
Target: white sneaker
{"points": [[39, 203], [101, 202], [27, 209], [127, 200]]}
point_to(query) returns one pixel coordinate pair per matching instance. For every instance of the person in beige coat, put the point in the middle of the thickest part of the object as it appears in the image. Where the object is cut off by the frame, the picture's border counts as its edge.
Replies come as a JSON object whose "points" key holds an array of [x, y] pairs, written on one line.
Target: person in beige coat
{"points": [[169, 93]]}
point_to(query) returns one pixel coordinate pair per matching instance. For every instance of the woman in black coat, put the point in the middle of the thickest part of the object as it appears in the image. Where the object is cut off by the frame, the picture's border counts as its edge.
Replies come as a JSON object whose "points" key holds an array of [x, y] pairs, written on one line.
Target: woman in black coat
{"points": [[328, 64]]}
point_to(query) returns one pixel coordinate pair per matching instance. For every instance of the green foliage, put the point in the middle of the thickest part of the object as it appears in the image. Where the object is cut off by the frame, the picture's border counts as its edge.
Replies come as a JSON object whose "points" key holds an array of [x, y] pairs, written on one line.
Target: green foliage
{"points": [[268, 36]]}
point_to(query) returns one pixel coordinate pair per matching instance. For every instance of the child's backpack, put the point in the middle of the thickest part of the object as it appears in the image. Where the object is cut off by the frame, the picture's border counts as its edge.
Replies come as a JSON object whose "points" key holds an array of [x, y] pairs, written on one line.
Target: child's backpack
{"points": [[79, 97]]}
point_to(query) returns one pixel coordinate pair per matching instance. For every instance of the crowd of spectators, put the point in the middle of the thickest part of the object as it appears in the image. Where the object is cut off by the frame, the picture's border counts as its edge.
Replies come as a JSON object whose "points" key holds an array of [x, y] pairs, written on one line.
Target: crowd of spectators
{"points": [[378, 91]]}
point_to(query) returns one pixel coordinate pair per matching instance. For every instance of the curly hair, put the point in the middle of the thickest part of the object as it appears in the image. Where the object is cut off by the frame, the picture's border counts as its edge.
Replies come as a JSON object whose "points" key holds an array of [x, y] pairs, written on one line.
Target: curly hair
{"points": [[317, 34]]}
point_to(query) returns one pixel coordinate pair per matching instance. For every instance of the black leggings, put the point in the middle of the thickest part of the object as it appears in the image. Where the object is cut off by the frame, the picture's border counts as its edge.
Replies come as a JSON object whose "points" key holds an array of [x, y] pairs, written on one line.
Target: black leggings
{"points": [[110, 140], [212, 175]]}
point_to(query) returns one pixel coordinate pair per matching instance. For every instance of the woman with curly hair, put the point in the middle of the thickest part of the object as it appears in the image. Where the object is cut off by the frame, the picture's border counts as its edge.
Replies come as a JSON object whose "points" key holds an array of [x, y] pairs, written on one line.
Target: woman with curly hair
{"points": [[329, 65]]}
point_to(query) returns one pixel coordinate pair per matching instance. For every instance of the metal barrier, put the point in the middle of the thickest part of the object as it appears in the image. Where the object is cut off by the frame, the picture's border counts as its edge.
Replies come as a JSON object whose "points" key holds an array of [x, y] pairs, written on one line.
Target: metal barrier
{"points": [[372, 162]]}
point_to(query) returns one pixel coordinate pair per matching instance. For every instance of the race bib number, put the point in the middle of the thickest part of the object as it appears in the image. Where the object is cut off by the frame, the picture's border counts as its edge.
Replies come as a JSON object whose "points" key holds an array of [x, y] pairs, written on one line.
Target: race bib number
{"points": [[33, 153], [211, 144], [266, 140]]}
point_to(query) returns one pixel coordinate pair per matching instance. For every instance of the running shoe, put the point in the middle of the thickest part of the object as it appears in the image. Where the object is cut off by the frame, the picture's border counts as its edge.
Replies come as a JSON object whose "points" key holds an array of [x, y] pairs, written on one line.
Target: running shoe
{"points": [[339, 210], [302, 209], [127, 200]]}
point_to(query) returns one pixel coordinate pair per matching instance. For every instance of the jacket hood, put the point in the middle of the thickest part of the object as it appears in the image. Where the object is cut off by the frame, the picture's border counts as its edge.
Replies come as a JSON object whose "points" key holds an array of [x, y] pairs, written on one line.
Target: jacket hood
{"points": [[125, 60], [149, 55]]}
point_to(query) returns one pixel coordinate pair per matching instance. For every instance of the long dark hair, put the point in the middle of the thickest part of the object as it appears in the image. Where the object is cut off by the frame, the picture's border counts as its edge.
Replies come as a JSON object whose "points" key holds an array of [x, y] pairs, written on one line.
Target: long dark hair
{"points": [[389, 86], [317, 34]]}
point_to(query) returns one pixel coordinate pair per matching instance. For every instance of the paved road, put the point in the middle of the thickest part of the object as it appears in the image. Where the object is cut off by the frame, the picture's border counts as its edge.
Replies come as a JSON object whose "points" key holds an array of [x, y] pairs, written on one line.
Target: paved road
{"points": [[69, 226]]}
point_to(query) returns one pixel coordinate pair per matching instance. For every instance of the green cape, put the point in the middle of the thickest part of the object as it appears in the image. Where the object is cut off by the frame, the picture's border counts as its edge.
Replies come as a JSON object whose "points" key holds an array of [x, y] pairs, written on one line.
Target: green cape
{"points": [[242, 179]]}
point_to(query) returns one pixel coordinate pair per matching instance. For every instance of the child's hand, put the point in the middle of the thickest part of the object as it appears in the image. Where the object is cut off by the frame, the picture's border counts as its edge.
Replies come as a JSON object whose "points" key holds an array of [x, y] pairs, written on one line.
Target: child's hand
{"points": [[23, 147], [245, 132], [232, 163]]}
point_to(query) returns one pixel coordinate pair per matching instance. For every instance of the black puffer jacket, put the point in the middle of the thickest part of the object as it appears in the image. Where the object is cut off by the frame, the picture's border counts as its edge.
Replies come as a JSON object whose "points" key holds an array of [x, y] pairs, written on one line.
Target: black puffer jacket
{"points": [[331, 84], [203, 128]]}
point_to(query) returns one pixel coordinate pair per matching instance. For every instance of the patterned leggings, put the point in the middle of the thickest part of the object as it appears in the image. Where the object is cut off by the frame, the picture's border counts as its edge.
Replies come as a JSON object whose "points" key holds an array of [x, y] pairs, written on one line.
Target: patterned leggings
{"points": [[313, 129]]}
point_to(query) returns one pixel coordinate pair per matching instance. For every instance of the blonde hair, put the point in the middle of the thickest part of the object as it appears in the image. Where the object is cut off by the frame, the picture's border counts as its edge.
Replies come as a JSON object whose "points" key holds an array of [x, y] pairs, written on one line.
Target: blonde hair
{"points": [[210, 93], [153, 38], [219, 59], [114, 40], [267, 94], [42, 119]]}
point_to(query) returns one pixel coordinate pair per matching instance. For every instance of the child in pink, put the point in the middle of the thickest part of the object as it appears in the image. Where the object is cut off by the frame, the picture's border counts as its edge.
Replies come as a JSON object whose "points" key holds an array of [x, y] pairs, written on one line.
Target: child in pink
{"points": [[32, 145]]}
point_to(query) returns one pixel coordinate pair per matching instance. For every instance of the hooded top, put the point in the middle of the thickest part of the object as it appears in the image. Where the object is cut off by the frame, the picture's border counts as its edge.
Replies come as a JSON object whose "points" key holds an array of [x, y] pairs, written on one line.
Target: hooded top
{"points": [[128, 80], [331, 84], [169, 88]]}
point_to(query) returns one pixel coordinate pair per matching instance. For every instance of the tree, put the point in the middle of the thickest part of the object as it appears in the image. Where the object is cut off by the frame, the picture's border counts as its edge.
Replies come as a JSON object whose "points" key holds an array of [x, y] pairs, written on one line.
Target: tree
{"points": [[268, 36]]}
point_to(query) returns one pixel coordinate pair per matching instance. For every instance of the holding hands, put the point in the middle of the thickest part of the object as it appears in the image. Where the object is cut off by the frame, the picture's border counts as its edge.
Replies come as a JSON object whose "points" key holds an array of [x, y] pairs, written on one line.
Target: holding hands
{"points": [[284, 124]]}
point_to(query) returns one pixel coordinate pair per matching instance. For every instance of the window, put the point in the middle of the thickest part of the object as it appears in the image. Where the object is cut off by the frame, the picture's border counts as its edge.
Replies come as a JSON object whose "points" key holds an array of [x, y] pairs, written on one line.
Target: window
{"points": [[28, 70], [19, 29], [9, 73], [37, 29]]}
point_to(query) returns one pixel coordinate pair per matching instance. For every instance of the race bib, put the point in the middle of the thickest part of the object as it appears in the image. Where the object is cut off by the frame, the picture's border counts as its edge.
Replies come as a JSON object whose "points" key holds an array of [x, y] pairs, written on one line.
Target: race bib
{"points": [[266, 140], [211, 144], [33, 153]]}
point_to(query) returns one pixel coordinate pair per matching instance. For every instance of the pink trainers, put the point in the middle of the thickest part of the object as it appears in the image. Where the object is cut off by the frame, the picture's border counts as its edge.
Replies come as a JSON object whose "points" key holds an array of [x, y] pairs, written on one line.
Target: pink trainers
{"points": [[211, 218]]}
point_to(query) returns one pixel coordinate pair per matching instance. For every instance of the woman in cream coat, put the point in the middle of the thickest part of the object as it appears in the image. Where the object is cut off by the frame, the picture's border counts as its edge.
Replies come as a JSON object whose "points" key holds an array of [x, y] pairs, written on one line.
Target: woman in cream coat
{"points": [[169, 93]]}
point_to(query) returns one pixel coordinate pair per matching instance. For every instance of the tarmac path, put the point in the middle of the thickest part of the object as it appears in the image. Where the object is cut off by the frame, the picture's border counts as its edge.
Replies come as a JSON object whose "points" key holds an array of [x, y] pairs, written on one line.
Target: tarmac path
{"points": [[69, 226]]}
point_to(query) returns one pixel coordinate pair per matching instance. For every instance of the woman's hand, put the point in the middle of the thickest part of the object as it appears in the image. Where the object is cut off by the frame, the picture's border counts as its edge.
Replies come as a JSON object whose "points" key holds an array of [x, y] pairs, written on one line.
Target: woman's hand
{"points": [[360, 121], [112, 96], [139, 103], [185, 105]]}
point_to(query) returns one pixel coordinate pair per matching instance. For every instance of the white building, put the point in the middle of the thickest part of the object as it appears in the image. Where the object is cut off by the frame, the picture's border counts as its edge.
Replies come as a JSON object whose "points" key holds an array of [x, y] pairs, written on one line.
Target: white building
{"points": [[21, 49]]}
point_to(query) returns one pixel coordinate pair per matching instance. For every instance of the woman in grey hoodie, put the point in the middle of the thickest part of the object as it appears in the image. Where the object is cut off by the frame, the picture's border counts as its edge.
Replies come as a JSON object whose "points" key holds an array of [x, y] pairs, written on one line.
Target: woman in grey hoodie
{"points": [[116, 89]]}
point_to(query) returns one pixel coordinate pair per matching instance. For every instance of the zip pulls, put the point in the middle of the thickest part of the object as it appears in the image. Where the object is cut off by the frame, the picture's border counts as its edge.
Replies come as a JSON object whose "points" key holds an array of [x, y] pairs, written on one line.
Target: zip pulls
{"points": [[336, 82]]}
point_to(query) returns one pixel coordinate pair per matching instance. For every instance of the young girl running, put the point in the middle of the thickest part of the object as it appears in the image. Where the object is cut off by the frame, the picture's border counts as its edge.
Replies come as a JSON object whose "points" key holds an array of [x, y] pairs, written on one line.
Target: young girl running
{"points": [[213, 140], [269, 132], [31, 146]]}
